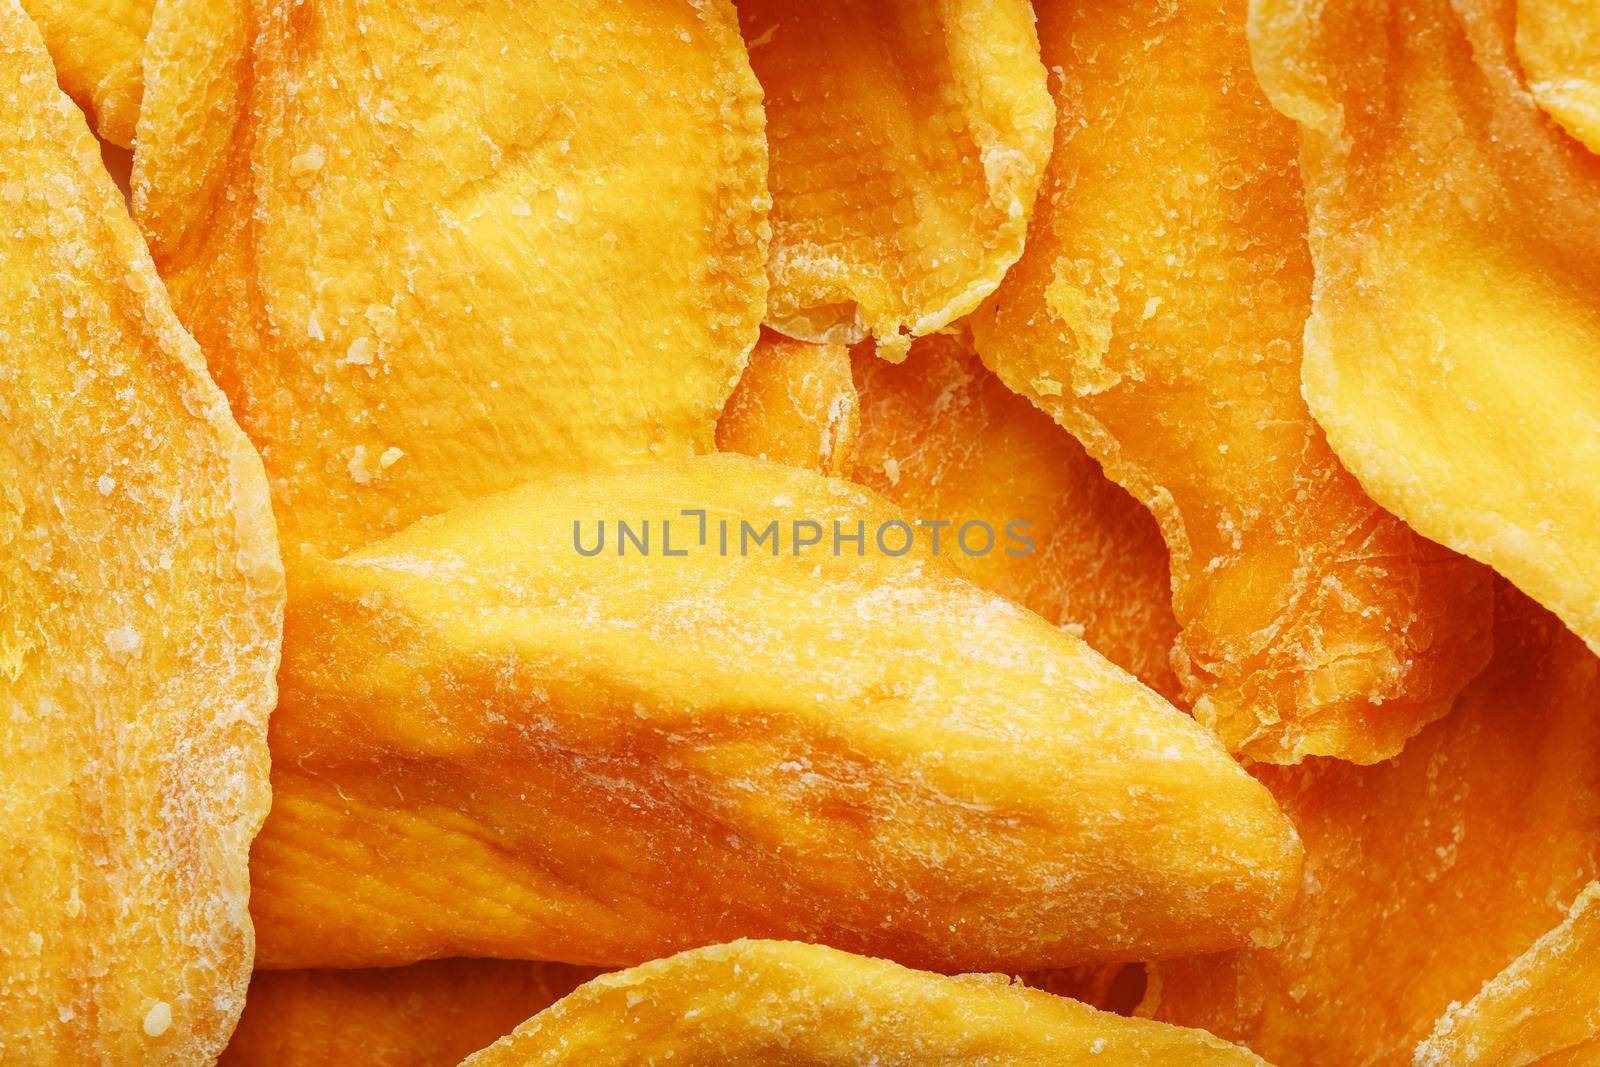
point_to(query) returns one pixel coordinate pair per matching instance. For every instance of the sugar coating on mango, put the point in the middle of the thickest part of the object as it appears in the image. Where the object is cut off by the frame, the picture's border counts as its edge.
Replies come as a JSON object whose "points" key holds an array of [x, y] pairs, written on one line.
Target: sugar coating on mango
{"points": [[1424, 876], [796, 404], [432, 248], [908, 140], [491, 743], [944, 439], [425, 1015], [785, 1002], [1558, 47], [141, 606], [98, 49], [1450, 353], [1157, 314]]}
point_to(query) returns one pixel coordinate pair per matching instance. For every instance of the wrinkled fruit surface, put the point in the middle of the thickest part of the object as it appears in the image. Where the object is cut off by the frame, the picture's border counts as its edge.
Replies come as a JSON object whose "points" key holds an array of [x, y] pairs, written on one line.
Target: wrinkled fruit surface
{"points": [[908, 139], [491, 744], [944, 439], [1456, 230], [141, 603], [98, 49], [783, 1002], [425, 1015], [431, 248], [1426, 875], [1157, 314]]}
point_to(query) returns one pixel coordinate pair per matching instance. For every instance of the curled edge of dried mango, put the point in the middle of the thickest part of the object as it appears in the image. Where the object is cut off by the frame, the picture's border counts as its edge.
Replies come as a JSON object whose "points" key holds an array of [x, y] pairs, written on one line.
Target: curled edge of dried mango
{"points": [[747, 1001], [968, 152]]}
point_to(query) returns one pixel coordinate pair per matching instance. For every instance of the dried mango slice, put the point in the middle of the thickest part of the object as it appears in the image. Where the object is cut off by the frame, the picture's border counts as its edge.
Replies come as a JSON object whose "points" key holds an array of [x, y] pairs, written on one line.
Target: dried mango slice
{"points": [[1558, 46], [1545, 1007], [98, 48], [1450, 355], [1424, 876], [491, 744], [1157, 315], [944, 439], [429, 248], [796, 403], [908, 140], [426, 1015], [141, 602], [777, 1001]]}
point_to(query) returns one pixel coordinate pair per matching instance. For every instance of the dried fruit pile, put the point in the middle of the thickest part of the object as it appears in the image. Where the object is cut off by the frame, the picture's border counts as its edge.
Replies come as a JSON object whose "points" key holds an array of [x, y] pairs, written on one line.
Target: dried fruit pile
{"points": [[839, 532]]}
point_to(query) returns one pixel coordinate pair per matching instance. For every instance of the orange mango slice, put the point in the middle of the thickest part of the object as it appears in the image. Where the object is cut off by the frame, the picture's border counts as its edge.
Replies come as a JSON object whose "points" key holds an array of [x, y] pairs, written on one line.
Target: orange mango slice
{"points": [[783, 1002], [491, 743], [944, 439], [1558, 47], [1544, 1008], [141, 606], [1450, 355], [908, 140], [1424, 876], [794, 404], [1157, 314], [432, 248], [98, 49], [425, 1015]]}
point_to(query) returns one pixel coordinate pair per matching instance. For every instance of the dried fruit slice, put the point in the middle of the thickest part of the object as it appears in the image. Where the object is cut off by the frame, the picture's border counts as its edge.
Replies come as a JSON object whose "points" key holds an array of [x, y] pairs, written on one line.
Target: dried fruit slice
{"points": [[1424, 876], [944, 439], [141, 603], [779, 1001], [1157, 315], [532, 752], [98, 49], [1544, 1008], [795, 404], [908, 140], [431, 247], [426, 1015], [1558, 46], [1451, 351]]}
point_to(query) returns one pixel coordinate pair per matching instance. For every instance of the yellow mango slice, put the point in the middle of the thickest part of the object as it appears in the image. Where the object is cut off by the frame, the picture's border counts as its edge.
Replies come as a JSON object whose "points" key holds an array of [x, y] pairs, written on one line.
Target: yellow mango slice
{"points": [[98, 49], [1426, 875], [908, 140], [141, 604], [1157, 314], [425, 1015], [945, 440], [1558, 46], [783, 1002], [430, 248], [491, 744], [795, 403], [1451, 352], [1544, 1008]]}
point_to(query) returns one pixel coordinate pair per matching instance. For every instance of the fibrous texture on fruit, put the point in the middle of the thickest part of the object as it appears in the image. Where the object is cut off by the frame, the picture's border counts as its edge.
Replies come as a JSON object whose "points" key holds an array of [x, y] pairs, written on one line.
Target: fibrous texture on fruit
{"points": [[1558, 47], [425, 1015], [789, 1003], [1424, 876], [796, 404], [946, 441], [908, 140], [98, 49], [1543, 1009], [141, 605], [431, 248], [1157, 314], [491, 742], [1450, 355]]}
